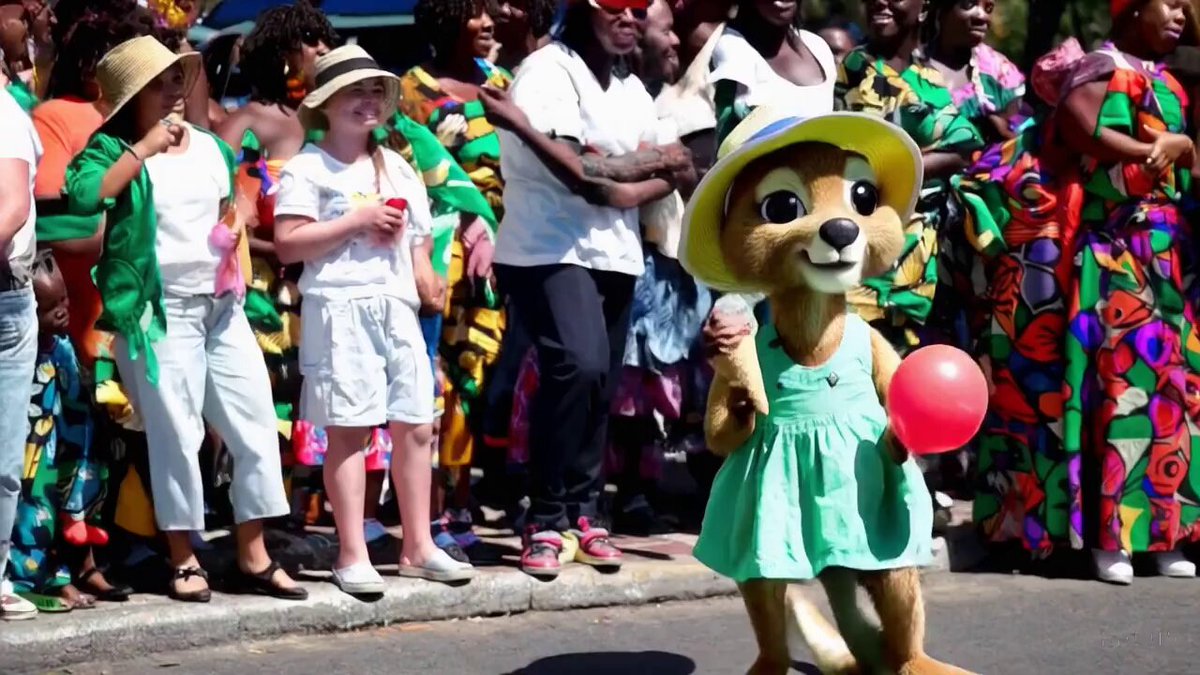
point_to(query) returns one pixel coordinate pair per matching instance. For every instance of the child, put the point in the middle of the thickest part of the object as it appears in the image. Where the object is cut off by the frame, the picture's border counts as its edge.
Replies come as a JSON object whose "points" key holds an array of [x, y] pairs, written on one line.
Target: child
{"points": [[356, 214], [63, 484]]}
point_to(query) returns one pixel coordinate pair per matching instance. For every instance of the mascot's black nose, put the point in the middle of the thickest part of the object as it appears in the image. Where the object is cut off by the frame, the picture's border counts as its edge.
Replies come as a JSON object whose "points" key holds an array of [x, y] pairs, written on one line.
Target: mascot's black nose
{"points": [[839, 232]]}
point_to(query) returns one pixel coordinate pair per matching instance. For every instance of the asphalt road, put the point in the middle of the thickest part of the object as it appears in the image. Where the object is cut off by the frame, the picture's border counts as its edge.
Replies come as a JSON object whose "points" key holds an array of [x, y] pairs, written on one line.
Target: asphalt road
{"points": [[994, 624]]}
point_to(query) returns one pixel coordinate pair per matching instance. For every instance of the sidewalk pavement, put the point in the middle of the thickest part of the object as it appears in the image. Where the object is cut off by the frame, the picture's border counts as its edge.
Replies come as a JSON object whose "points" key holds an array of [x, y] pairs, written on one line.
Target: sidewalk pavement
{"points": [[656, 569]]}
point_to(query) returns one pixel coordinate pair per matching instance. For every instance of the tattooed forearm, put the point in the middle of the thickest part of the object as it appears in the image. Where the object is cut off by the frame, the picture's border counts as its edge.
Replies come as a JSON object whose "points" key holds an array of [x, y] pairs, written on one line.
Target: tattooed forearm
{"points": [[629, 168]]}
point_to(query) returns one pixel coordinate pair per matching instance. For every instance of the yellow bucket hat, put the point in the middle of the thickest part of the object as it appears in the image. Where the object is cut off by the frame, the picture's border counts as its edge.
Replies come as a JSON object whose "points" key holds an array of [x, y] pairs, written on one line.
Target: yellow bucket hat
{"points": [[893, 156], [132, 65]]}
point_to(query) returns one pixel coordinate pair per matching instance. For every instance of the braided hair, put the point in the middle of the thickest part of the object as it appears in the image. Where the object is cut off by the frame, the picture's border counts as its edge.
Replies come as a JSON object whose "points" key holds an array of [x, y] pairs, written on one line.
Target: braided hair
{"points": [[278, 32], [442, 21], [86, 35]]}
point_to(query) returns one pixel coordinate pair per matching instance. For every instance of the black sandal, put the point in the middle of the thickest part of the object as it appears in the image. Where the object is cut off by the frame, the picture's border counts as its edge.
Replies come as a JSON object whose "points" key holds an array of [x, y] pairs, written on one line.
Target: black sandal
{"points": [[183, 574], [263, 583], [113, 594]]}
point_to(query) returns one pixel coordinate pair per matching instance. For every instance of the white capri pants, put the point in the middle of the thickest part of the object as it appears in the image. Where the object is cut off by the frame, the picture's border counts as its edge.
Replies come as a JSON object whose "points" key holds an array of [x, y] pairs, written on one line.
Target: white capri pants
{"points": [[364, 363], [209, 368]]}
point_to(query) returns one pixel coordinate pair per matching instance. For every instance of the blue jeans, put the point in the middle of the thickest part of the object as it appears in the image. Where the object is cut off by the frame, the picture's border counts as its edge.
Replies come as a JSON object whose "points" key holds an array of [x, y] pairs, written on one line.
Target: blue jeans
{"points": [[18, 353]]}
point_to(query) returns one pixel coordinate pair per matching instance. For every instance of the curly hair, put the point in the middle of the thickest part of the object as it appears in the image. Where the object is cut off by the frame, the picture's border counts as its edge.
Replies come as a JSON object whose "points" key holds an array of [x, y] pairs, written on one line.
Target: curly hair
{"points": [[278, 32], [442, 21], [86, 34]]}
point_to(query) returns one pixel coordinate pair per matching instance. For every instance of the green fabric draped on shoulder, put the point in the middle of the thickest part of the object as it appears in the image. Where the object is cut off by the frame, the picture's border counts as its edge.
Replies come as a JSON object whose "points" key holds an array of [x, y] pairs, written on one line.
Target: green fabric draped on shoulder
{"points": [[127, 275], [916, 100]]}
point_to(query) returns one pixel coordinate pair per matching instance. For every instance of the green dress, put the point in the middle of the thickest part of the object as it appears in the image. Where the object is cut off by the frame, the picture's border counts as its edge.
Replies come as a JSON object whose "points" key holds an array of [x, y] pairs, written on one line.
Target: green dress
{"points": [[813, 487]]}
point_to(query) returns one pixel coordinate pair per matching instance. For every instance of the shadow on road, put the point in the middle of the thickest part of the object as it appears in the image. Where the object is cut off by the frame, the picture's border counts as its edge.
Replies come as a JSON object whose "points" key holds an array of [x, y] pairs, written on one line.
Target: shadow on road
{"points": [[604, 663]]}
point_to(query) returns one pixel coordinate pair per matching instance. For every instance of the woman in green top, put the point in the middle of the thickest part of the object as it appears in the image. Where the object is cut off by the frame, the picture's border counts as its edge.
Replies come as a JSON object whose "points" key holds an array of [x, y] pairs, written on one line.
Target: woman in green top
{"points": [[986, 87], [892, 77], [171, 291]]}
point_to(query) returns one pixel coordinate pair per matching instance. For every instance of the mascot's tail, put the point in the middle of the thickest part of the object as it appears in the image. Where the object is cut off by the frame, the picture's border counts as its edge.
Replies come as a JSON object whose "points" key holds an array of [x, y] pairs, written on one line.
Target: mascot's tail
{"points": [[831, 652]]}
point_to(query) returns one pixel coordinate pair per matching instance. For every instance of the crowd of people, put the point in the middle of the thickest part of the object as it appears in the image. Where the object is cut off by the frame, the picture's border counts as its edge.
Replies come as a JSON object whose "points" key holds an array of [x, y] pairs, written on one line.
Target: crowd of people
{"points": [[253, 308]]}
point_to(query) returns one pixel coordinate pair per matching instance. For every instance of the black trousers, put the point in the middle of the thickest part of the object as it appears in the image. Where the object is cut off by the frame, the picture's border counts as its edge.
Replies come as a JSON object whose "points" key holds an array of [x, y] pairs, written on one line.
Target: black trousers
{"points": [[577, 320]]}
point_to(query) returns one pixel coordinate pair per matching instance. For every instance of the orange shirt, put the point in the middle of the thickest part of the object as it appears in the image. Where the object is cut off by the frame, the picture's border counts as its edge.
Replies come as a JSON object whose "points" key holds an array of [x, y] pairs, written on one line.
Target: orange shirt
{"points": [[64, 126]]}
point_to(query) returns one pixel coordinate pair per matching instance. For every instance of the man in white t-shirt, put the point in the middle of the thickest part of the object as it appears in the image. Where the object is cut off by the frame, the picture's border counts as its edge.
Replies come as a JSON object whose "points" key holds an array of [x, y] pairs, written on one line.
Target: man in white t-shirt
{"points": [[20, 151], [579, 154]]}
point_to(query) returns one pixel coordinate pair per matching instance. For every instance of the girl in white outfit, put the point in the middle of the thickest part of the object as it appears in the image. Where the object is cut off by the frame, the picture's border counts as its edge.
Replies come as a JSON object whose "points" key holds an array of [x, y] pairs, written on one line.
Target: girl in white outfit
{"points": [[355, 214]]}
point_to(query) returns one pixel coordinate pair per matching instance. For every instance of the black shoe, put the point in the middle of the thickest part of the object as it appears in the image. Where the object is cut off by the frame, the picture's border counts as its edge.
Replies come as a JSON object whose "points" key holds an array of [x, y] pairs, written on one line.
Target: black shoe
{"points": [[182, 574], [639, 519], [263, 583], [114, 594]]}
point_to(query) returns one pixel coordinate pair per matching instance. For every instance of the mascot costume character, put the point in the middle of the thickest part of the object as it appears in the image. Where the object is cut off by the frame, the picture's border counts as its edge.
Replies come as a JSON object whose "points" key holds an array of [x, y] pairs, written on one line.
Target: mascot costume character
{"points": [[814, 485]]}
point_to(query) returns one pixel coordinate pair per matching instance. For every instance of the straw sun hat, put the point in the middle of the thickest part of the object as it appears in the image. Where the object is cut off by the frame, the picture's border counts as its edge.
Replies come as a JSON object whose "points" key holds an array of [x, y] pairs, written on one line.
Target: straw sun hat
{"points": [[133, 64], [339, 69], [889, 151]]}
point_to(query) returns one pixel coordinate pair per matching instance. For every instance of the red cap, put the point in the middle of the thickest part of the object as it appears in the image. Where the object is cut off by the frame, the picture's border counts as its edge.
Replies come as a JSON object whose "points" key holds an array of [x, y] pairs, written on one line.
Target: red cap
{"points": [[1118, 8], [621, 5]]}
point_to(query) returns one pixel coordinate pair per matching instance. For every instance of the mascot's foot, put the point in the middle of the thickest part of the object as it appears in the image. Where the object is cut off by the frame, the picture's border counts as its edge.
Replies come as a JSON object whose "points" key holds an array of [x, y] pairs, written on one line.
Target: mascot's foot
{"points": [[924, 665]]}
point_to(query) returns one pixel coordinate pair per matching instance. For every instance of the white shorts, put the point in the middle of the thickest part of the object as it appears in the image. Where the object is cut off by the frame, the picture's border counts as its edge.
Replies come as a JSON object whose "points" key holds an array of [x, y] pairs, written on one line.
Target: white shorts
{"points": [[364, 363]]}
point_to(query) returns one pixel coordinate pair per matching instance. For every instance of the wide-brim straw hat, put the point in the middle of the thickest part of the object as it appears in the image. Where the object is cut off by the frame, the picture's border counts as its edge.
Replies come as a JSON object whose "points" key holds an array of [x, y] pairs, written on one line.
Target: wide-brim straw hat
{"points": [[894, 157], [341, 68], [133, 64]]}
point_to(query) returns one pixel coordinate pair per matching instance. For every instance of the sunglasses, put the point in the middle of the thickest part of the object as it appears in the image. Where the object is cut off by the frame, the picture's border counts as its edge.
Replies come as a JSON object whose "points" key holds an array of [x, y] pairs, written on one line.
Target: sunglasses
{"points": [[312, 38]]}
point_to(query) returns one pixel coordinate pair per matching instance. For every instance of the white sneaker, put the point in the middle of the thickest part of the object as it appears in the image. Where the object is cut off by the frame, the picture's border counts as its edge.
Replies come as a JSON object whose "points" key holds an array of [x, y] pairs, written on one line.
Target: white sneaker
{"points": [[12, 606], [439, 567], [359, 579], [1113, 567], [1173, 564]]}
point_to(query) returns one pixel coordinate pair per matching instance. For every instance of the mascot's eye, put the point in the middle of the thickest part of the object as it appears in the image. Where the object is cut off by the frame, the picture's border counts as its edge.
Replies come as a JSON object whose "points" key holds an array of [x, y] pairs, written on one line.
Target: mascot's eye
{"points": [[781, 207], [864, 197]]}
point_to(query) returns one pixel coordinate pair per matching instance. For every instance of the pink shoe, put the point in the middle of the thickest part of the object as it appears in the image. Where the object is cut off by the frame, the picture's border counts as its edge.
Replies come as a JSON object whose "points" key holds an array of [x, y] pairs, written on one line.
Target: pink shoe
{"points": [[595, 549], [539, 555]]}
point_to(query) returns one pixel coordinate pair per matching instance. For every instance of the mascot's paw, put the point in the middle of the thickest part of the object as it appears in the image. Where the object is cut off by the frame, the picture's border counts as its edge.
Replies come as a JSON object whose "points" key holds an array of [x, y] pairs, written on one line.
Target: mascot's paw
{"points": [[894, 447], [924, 665]]}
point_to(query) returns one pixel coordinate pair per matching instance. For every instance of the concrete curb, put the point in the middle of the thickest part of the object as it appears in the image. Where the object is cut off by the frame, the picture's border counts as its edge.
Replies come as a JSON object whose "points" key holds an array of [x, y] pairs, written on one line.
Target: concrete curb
{"points": [[152, 624]]}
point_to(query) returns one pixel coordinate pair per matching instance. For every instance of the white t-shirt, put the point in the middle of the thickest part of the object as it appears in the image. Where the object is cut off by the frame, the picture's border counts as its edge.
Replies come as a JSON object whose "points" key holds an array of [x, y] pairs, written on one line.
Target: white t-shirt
{"points": [[544, 223], [315, 185], [737, 60], [188, 190], [19, 140]]}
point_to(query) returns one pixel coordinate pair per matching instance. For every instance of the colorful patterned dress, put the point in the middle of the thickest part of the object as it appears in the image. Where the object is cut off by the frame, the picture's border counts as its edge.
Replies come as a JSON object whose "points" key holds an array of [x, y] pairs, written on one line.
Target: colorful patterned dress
{"points": [[62, 475], [900, 302], [474, 321], [1091, 343], [995, 84]]}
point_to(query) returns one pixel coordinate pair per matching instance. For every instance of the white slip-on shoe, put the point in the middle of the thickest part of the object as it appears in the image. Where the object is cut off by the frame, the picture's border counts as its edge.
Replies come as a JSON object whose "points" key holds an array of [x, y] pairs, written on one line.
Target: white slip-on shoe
{"points": [[359, 579], [439, 567]]}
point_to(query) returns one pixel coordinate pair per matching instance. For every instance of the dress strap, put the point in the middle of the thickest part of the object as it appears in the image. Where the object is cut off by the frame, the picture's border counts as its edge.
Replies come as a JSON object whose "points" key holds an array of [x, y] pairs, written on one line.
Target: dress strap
{"points": [[857, 341]]}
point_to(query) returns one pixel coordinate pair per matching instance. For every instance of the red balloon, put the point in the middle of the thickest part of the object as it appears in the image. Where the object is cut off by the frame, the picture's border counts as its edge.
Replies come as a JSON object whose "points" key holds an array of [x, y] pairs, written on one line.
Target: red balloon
{"points": [[937, 400]]}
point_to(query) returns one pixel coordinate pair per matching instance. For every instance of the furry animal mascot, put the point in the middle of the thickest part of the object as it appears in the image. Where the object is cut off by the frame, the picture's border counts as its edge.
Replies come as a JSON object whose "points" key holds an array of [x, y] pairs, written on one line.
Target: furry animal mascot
{"points": [[813, 485]]}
